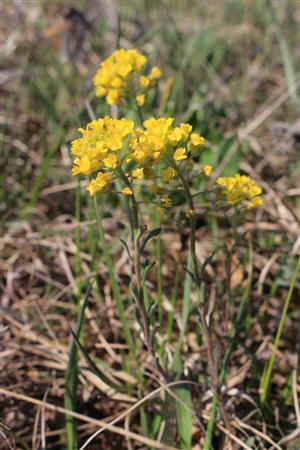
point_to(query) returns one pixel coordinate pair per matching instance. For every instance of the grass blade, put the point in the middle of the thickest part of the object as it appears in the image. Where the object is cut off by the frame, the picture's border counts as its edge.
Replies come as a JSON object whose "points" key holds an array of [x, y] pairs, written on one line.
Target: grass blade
{"points": [[72, 378], [187, 287], [184, 417], [266, 378]]}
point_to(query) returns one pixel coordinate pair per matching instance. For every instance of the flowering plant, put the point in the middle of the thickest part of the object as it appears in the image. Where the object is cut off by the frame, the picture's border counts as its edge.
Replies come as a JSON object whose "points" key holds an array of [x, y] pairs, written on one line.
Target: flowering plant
{"points": [[163, 156]]}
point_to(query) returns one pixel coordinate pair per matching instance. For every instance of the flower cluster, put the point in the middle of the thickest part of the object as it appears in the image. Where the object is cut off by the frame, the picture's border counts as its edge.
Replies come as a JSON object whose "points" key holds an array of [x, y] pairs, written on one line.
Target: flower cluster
{"points": [[99, 150], [119, 74], [158, 151], [151, 152], [240, 189]]}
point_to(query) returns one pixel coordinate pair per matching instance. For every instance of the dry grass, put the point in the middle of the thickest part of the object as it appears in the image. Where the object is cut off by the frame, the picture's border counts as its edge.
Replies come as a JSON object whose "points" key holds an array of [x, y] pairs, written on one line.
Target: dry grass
{"points": [[237, 88]]}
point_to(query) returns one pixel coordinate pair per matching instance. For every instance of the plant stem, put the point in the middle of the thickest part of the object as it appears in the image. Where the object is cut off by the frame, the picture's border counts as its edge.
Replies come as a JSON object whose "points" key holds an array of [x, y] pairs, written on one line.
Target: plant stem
{"points": [[159, 272], [198, 281], [114, 284], [138, 274]]}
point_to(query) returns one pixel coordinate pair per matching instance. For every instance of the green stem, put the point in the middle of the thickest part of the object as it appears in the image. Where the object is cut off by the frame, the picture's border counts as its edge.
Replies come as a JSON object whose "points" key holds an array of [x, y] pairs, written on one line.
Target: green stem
{"points": [[114, 284], [159, 272], [138, 273], [190, 201], [140, 114], [198, 281]]}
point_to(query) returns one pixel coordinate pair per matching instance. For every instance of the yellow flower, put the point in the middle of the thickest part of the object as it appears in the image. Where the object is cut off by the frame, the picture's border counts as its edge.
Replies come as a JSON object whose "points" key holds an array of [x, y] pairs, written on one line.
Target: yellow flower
{"points": [[114, 74], [179, 154], [168, 174], [140, 99], [113, 97], [101, 91], [196, 141], [148, 145], [99, 183], [239, 188], [93, 151], [111, 161], [175, 136], [255, 202], [101, 147], [127, 191], [138, 173], [207, 170], [117, 83], [85, 165], [155, 73], [144, 82], [189, 213], [186, 129], [166, 201]]}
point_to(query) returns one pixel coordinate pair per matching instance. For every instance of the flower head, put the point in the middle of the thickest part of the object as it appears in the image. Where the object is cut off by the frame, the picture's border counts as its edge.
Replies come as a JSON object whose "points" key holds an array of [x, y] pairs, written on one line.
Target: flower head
{"points": [[140, 99], [238, 189], [196, 142], [98, 149], [144, 82], [175, 135], [99, 183], [127, 191], [166, 201], [207, 170], [138, 173], [180, 154], [155, 73], [113, 76], [120, 73], [189, 213], [147, 145]]}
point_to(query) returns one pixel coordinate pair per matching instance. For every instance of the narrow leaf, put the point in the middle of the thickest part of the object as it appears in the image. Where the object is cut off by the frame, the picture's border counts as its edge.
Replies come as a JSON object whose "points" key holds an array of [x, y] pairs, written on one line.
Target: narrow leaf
{"points": [[154, 233]]}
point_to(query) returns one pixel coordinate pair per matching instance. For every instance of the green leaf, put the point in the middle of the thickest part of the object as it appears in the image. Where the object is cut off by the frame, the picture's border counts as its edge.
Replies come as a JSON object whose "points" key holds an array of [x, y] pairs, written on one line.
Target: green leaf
{"points": [[92, 366], [147, 266], [124, 244], [154, 233]]}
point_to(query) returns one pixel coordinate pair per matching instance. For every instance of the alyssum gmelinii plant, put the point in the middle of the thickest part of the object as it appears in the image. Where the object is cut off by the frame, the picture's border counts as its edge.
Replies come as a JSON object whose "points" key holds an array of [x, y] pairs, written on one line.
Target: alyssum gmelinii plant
{"points": [[163, 157]]}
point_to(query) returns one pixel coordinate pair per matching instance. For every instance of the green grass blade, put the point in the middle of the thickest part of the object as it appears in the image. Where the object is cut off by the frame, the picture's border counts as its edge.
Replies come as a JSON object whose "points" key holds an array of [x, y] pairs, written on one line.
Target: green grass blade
{"points": [[266, 378], [187, 287], [184, 417], [72, 379], [93, 367], [173, 301]]}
